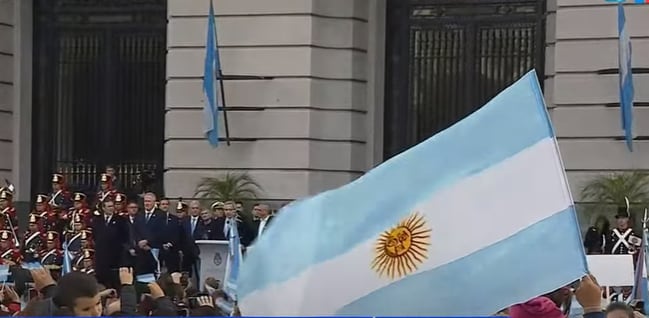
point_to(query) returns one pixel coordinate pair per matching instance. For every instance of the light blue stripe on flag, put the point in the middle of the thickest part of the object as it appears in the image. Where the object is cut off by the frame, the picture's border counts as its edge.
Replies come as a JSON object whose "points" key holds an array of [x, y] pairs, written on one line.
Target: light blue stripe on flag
{"points": [[235, 262], [210, 80], [626, 78], [67, 265], [639, 291], [484, 189]]}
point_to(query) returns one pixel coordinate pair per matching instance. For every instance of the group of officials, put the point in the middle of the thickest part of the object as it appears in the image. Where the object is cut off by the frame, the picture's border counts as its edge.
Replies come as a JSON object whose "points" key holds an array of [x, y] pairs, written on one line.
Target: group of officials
{"points": [[115, 231]]}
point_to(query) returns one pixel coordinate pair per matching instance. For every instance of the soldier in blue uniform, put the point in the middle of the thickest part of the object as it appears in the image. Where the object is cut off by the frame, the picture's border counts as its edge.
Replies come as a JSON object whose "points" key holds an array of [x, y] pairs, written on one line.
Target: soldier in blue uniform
{"points": [[52, 255], [60, 197], [32, 241]]}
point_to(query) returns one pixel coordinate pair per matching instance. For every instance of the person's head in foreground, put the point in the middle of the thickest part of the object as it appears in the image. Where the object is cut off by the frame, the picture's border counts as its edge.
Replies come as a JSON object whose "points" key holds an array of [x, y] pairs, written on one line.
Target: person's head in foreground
{"points": [[78, 295], [619, 310], [588, 295]]}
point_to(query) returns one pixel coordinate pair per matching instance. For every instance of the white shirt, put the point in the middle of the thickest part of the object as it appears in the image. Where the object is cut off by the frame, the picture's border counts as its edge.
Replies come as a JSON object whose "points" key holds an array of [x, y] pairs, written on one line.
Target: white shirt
{"points": [[148, 215], [194, 222], [262, 225]]}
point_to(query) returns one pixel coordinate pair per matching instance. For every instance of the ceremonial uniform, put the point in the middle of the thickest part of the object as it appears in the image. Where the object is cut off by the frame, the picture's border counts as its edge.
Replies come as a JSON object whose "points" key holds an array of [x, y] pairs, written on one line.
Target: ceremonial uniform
{"points": [[9, 254], [86, 262], [32, 241], [78, 240], [52, 255], [81, 210], [59, 198], [120, 205], [106, 190], [622, 239], [48, 217], [8, 215]]}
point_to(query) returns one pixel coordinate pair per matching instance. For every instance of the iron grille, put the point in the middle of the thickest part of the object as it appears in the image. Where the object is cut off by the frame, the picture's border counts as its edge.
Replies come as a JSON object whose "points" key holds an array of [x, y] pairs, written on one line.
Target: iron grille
{"points": [[447, 58], [99, 90]]}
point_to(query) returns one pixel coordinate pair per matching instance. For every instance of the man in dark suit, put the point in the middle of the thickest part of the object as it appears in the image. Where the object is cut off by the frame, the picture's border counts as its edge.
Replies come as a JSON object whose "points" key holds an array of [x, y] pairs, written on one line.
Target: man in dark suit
{"points": [[130, 253], [145, 235], [170, 239], [110, 236], [192, 232], [231, 217], [264, 218]]}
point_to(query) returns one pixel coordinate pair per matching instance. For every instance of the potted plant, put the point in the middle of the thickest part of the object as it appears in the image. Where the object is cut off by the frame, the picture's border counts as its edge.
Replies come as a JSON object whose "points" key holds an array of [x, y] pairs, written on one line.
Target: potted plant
{"points": [[606, 192], [229, 187]]}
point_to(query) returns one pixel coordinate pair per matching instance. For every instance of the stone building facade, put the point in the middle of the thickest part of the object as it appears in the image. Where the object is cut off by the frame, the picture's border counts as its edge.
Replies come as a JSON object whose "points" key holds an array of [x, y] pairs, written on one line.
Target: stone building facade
{"points": [[315, 119]]}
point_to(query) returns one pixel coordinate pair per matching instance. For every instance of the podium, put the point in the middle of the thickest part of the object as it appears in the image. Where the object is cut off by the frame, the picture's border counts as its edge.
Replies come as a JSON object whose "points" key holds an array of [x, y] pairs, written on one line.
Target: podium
{"points": [[214, 261]]}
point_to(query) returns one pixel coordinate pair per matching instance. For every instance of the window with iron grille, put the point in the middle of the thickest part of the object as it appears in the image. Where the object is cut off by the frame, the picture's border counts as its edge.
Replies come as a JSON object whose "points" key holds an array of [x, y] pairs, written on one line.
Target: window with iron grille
{"points": [[446, 58]]}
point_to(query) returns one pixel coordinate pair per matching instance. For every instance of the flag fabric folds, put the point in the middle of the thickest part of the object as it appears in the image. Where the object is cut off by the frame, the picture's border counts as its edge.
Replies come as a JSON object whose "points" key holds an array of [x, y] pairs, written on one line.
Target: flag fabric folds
{"points": [[626, 78], [67, 265], [234, 260], [639, 291], [210, 80], [451, 227]]}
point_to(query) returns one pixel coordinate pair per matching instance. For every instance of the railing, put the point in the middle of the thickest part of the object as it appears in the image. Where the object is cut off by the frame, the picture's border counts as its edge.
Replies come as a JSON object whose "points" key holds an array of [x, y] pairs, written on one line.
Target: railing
{"points": [[131, 177]]}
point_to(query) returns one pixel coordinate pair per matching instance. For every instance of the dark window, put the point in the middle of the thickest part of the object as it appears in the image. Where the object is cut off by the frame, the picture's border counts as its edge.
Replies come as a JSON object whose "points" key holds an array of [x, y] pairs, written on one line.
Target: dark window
{"points": [[445, 59], [99, 90]]}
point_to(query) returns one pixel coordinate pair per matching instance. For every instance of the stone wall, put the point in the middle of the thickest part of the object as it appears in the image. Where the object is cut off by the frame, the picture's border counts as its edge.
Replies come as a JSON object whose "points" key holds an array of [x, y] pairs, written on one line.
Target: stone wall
{"points": [[299, 133]]}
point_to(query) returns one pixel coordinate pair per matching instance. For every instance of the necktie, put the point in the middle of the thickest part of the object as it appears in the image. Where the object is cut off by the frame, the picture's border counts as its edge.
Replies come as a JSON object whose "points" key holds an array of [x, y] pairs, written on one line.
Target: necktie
{"points": [[107, 217], [193, 225], [148, 216]]}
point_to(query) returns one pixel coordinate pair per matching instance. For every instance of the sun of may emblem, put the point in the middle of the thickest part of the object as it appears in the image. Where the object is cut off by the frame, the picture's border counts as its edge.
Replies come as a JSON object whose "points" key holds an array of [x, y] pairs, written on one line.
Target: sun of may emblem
{"points": [[401, 249]]}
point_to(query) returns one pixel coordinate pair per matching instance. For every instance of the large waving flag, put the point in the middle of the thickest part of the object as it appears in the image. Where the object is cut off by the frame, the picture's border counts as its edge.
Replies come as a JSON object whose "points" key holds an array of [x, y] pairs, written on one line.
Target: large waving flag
{"points": [[626, 77], [210, 79], [451, 227]]}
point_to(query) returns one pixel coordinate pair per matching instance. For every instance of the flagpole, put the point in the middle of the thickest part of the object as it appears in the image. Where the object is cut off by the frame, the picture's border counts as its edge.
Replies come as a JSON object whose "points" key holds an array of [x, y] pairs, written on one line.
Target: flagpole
{"points": [[225, 112]]}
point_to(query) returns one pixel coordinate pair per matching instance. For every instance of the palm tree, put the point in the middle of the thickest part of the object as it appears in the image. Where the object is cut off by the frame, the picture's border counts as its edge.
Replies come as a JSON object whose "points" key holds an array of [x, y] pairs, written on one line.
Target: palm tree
{"points": [[613, 188], [229, 187]]}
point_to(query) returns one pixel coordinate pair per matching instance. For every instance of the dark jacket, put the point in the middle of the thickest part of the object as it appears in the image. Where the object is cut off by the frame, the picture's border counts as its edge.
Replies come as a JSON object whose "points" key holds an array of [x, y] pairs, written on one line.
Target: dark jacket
{"points": [[164, 307], [128, 300], [46, 306]]}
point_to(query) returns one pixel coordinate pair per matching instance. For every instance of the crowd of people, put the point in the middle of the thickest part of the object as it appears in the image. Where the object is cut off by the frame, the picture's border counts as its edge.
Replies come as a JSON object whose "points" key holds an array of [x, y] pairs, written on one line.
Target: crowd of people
{"points": [[94, 250], [98, 234]]}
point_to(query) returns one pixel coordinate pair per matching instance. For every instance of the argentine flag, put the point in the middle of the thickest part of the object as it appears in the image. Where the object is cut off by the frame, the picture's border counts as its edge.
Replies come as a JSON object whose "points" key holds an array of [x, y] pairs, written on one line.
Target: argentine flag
{"points": [[234, 262], [470, 221], [210, 79]]}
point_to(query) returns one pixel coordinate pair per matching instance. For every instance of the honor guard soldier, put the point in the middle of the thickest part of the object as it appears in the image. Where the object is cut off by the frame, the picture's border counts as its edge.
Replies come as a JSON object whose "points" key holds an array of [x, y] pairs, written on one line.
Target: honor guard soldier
{"points": [[87, 262], [120, 204], [52, 258], [81, 209], [86, 240], [106, 189], [48, 217], [622, 239], [8, 215], [9, 253], [60, 197], [32, 240], [73, 237]]}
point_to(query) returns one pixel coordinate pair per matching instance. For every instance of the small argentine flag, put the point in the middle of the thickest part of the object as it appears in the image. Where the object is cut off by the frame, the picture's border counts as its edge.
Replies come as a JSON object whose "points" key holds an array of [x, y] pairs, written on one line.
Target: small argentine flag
{"points": [[470, 221]]}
